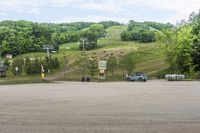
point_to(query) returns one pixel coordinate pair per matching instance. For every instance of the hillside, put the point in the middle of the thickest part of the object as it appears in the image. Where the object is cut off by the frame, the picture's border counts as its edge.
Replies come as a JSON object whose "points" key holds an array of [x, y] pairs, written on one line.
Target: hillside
{"points": [[150, 57]]}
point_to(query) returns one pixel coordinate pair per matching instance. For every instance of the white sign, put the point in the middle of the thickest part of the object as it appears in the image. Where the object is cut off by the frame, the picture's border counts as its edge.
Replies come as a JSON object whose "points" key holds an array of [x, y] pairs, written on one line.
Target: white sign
{"points": [[16, 69], [102, 65], [102, 71]]}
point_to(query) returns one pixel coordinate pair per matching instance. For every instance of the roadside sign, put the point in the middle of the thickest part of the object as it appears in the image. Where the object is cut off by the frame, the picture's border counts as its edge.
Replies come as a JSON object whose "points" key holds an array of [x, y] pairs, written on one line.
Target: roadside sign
{"points": [[16, 69], [102, 71], [102, 65]]}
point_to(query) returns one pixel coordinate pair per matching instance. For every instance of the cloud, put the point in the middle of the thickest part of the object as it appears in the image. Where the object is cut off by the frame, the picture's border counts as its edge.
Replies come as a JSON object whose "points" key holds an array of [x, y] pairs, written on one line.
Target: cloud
{"points": [[3, 14], [178, 9], [64, 3], [103, 5], [35, 11], [91, 18], [21, 6]]}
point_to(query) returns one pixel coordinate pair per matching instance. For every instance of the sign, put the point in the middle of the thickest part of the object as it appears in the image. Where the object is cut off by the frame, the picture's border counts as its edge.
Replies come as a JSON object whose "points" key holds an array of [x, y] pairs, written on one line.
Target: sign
{"points": [[16, 69], [8, 56], [102, 71], [42, 69], [42, 72], [102, 65]]}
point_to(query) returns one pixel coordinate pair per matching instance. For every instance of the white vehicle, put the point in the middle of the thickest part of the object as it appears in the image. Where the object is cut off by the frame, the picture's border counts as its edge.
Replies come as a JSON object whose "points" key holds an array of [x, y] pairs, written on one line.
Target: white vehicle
{"points": [[174, 77]]}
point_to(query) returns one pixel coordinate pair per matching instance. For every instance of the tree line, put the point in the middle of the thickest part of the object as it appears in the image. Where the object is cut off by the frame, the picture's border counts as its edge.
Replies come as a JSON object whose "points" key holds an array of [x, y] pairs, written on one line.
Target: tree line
{"points": [[19, 37], [32, 66]]}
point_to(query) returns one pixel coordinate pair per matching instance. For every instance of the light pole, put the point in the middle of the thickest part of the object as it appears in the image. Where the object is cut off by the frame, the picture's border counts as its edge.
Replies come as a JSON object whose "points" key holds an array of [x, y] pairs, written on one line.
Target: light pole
{"points": [[0, 52], [65, 63], [1, 63]]}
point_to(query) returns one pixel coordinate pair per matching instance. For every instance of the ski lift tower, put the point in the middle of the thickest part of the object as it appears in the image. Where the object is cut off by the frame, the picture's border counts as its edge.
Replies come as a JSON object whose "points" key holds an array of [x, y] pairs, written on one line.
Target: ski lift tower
{"points": [[47, 48]]}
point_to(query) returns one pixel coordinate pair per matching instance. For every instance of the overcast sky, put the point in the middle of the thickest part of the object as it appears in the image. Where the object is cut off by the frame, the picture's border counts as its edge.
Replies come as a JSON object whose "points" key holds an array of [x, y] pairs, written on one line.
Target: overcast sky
{"points": [[97, 10]]}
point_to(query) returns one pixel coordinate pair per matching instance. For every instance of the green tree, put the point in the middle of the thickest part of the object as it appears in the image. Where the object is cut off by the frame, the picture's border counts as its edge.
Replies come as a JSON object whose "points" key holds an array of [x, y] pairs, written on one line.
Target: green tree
{"points": [[82, 62], [128, 62], [6, 63], [195, 20], [28, 66], [112, 63], [92, 64], [19, 63], [178, 47]]}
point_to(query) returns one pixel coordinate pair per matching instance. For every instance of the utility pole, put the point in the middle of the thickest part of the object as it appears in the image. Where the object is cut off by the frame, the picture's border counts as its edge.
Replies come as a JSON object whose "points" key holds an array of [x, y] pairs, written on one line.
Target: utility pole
{"points": [[0, 56], [65, 63], [0, 52]]}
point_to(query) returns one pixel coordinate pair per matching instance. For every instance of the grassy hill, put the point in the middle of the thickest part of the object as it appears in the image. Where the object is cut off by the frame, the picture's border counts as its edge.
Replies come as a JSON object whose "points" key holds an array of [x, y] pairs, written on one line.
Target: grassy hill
{"points": [[150, 57], [114, 32]]}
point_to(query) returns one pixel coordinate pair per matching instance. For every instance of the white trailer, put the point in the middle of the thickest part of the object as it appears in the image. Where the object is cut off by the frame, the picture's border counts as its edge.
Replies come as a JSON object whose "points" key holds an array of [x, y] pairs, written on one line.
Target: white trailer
{"points": [[174, 77]]}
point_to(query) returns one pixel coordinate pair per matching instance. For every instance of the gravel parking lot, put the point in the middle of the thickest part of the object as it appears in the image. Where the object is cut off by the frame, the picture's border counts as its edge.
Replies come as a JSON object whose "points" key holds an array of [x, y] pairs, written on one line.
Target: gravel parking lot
{"points": [[116, 107]]}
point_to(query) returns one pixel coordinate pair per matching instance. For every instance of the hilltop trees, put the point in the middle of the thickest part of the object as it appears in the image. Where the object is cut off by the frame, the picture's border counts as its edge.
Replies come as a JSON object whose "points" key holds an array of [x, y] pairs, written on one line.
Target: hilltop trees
{"points": [[89, 36], [108, 24], [19, 37], [143, 32]]}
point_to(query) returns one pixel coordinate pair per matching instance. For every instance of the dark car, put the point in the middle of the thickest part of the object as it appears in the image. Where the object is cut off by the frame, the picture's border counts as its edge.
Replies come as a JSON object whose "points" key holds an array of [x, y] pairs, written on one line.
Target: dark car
{"points": [[137, 77]]}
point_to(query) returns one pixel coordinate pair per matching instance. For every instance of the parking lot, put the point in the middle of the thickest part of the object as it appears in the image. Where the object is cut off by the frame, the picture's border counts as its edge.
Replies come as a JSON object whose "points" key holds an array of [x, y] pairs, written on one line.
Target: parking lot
{"points": [[115, 107]]}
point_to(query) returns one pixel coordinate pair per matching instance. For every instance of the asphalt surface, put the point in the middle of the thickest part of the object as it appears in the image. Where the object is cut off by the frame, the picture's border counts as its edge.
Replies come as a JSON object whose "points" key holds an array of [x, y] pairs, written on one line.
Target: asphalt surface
{"points": [[119, 107]]}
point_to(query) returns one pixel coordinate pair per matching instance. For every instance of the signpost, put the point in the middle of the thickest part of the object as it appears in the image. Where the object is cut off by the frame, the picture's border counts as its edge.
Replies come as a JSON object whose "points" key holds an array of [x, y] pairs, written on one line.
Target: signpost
{"points": [[16, 71], [42, 72]]}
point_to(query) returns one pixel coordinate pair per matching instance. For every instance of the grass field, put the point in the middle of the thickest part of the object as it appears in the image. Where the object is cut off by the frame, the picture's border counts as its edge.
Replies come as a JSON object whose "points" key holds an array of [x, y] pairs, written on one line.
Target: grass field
{"points": [[22, 79]]}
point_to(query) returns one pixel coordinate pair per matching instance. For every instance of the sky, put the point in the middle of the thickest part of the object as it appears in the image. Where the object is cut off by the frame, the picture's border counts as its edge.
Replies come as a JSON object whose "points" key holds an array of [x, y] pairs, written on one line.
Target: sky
{"points": [[60, 11]]}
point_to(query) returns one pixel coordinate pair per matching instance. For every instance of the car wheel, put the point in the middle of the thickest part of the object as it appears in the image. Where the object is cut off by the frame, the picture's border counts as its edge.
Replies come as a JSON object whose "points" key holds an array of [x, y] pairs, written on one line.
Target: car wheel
{"points": [[140, 79], [144, 80]]}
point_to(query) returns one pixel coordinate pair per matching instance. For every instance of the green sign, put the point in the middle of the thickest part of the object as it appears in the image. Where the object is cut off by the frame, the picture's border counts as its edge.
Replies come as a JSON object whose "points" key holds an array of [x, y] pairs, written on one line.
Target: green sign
{"points": [[102, 65]]}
